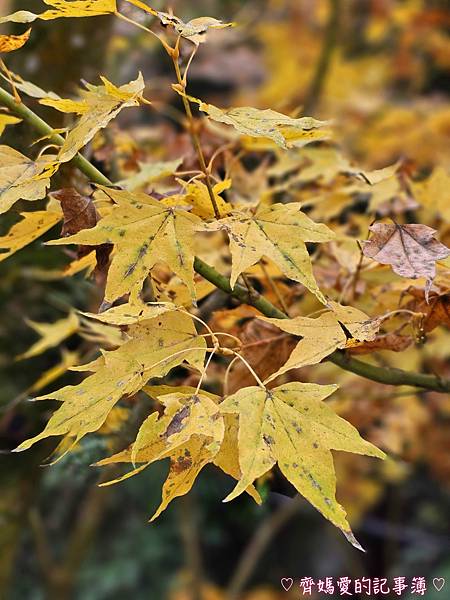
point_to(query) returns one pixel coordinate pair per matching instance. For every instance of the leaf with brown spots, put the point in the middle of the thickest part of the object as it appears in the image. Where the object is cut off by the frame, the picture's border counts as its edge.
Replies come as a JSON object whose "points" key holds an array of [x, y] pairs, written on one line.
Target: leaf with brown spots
{"points": [[153, 347], [278, 232], [411, 250], [388, 341], [8, 43], [143, 232], [323, 335], [291, 426]]}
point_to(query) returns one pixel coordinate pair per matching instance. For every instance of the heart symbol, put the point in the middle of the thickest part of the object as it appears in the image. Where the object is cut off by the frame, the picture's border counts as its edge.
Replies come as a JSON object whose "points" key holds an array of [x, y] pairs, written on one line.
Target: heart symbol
{"points": [[287, 582], [438, 583]]}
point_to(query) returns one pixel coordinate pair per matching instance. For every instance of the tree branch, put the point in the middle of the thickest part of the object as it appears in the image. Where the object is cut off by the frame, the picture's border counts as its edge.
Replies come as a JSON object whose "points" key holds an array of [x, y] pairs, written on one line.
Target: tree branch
{"points": [[323, 64], [339, 358]]}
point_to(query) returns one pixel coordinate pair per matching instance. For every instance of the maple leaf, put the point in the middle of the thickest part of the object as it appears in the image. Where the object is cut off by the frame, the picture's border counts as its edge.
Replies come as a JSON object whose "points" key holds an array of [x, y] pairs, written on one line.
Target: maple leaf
{"points": [[278, 232], [411, 250], [99, 106], [64, 8], [29, 228], [143, 232], [197, 196], [154, 346], [19, 177], [195, 30], [268, 124], [291, 426], [8, 43], [323, 335], [51, 334], [192, 432]]}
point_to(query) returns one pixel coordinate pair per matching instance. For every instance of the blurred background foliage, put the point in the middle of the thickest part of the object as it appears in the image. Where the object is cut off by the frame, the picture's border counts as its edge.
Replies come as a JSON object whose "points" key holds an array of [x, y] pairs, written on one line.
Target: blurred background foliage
{"points": [[380, 70]]}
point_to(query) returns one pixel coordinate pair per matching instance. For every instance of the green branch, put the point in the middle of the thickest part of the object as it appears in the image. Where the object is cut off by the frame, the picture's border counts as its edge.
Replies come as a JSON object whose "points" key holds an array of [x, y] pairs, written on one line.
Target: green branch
{"points": [[339, 358]]}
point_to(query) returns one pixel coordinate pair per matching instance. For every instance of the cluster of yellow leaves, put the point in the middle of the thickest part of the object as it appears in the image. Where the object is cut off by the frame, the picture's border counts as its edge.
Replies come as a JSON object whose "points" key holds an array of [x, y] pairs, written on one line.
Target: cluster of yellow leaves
{"points": [[97, 107], [247, 432]]}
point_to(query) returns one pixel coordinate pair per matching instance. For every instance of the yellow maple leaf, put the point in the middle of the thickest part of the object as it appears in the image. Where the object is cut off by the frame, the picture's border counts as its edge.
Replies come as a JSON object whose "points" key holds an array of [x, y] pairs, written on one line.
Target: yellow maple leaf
{"points": [[17, 177], [51, 334], [97, 107], [267, 124], [143, 232], [154, 346], [278, 232], [323, 335], [197, 196], [291, 426]]}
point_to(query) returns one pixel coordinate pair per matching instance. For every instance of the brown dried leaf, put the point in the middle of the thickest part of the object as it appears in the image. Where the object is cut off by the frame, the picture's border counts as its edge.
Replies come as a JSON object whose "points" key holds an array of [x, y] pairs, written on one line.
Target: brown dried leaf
{"points": [[411, 250], [436, 310], [387, 341], [79, 211]]}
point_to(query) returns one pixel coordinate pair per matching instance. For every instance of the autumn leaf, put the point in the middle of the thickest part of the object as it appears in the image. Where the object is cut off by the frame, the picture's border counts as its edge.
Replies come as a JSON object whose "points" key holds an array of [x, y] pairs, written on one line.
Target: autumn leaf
{"points": [[185, 415], [99, 105], [8, 43], [268, 124], [435, 308], [196, 196], [189, 431], [154, 347], [18, 177], [291, 426], [194, 30], [323, 335], [79, 211], [29, 228], [64, 8], [143, 232], [388, 341], [278, 232], [52, 334], [411, 250], [227, 458]]}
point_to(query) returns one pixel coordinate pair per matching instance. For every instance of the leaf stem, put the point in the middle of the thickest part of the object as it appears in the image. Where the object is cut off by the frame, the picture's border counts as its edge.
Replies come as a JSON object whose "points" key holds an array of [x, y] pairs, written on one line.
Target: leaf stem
{"points": [[174, 55]]}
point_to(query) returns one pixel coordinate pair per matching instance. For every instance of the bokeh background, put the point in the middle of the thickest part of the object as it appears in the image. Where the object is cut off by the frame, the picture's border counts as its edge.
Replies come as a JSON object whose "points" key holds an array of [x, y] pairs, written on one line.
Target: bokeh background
{"points": [[380, 70]]}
